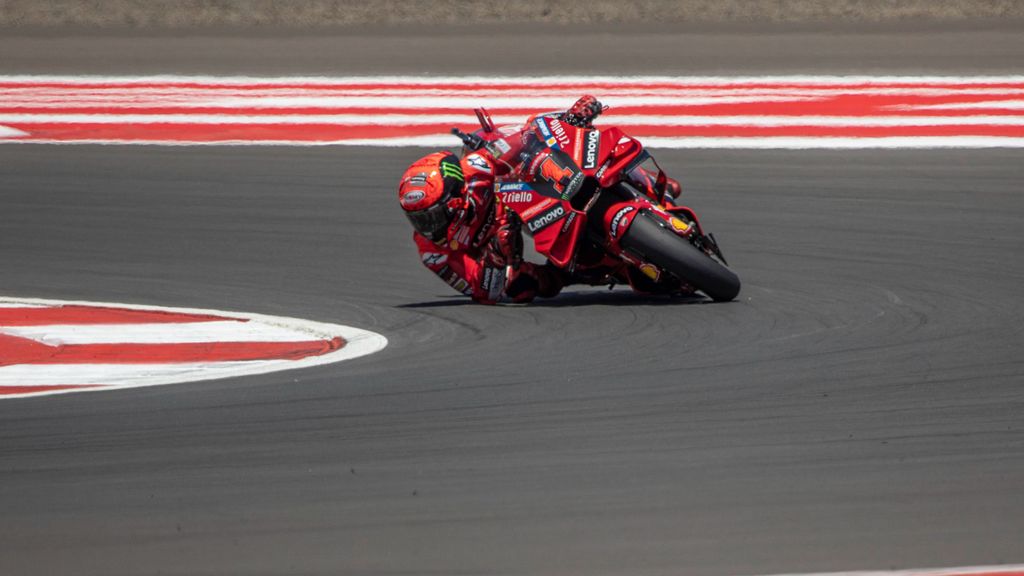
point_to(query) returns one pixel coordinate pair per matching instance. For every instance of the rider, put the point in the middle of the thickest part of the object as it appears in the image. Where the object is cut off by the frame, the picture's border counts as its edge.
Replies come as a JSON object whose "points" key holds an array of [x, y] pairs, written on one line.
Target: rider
{"points": [[468, 238], [453, 211]]}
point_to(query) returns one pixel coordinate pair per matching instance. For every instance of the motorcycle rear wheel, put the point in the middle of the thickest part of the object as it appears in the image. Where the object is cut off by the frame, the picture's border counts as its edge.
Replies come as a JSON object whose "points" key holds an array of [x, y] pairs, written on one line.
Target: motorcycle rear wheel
{"points": [[649, 238]]}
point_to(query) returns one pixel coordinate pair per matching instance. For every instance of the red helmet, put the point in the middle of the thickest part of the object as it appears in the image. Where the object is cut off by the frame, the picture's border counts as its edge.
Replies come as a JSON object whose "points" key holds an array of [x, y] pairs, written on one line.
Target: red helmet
{"points": [[427, 188]]}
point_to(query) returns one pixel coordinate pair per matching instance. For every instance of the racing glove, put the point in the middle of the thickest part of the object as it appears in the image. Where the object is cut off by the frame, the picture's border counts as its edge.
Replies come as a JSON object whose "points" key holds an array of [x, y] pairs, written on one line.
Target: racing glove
{"points": [[583, 112], [507, 242]]}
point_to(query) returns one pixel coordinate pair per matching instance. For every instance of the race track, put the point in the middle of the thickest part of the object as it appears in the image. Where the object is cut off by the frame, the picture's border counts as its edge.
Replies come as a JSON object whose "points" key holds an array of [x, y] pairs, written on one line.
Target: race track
{"points": [[858, 407]]}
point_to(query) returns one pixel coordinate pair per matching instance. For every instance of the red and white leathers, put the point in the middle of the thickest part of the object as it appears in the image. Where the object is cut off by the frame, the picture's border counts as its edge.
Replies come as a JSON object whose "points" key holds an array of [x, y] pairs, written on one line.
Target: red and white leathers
{"points": [[479, 256]]}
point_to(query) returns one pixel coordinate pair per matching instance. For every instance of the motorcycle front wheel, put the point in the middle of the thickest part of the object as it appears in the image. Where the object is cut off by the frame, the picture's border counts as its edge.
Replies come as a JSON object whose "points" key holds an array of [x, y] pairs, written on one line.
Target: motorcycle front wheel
{"points": [[650, 238]]}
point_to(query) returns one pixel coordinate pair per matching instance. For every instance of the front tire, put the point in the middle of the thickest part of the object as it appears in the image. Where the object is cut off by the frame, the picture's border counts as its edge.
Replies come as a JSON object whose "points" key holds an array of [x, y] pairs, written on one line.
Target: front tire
{"points": [[649, 238]]}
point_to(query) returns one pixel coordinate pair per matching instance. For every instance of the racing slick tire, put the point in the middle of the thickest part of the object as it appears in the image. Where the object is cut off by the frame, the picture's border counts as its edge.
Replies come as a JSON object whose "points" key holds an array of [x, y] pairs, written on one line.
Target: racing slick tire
{"points": [[650, 238]]}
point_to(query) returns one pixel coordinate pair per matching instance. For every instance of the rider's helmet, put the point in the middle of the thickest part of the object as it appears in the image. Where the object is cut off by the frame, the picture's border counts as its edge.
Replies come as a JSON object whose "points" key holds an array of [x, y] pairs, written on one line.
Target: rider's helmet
{"points": [[426, 193]]}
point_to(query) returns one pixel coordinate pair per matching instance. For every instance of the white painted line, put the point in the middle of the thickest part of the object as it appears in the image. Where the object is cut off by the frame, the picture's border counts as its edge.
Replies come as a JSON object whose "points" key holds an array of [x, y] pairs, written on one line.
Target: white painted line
{"points": [[538, 80], [22, 96], [740, 143], [410, 101], [128, 375], [838, 143], [445, 141], [621, 120], [993, 104], [8, 132]]}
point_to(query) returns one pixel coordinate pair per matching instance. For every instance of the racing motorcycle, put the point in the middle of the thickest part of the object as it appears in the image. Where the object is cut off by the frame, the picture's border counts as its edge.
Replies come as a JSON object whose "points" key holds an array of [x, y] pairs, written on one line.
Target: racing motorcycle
{"points": [[595, 203]]}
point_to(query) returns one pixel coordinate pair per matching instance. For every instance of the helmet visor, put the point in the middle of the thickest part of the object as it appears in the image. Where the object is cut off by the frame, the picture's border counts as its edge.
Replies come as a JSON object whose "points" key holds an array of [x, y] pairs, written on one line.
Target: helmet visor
{"points": [[431, 222]]}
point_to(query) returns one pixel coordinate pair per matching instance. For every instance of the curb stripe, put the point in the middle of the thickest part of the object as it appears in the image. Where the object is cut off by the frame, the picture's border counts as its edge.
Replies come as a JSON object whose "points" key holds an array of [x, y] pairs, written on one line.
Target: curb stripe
{"points": [[11, 315], [170, 353], [221, 330], [39, 390], [755, 112], [179, 345]]}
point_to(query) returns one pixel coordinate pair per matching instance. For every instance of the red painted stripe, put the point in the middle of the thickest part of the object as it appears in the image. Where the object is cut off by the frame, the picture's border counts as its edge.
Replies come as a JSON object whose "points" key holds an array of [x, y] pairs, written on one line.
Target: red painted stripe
{"points": [[23, 351], [326, 133], [825, 131], [221, 132], [15, 390], [71, 314], [994, 573], [540, 87], [17, 350], [874, 101], [833, 107]]}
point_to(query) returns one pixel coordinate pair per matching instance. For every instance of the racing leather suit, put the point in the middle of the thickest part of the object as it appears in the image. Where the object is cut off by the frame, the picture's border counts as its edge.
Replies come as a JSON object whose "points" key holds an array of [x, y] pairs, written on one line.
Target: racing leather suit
{"points": [[473, 259]]}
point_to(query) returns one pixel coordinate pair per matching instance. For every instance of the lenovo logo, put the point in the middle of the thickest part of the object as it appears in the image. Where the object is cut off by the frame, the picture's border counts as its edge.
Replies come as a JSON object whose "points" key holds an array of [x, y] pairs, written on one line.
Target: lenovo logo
{"points": [[545, 219], [593, 144]]}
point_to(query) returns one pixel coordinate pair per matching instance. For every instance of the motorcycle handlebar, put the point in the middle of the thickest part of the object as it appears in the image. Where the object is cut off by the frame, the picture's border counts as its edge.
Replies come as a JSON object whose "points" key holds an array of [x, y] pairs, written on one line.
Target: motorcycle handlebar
{"points": [[472, 141]]}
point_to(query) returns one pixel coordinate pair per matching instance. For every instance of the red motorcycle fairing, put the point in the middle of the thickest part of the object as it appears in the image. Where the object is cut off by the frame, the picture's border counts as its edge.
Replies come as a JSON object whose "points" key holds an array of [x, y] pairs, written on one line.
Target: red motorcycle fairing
{"points": [[563, 156], [552, 222], [601, 153]]}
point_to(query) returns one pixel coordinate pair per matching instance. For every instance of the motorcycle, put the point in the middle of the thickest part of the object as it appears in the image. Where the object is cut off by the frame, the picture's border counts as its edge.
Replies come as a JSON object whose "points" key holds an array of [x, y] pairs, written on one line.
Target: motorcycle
{"points": [[595, 203]]}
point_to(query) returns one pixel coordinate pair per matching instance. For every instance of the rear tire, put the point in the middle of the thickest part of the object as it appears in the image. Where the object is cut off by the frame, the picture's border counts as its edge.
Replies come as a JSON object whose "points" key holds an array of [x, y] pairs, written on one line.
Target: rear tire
{"points": [[649, 238]]}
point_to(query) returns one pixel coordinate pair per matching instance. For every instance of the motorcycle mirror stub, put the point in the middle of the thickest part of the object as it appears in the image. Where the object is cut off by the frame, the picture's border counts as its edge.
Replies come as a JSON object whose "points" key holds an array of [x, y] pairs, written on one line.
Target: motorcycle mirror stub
{"points": [[485, 119]]}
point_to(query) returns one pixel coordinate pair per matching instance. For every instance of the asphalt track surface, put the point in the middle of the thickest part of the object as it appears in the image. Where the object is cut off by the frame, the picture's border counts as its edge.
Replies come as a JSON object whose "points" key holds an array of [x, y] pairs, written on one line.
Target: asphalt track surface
{"points": [[859, 406]]}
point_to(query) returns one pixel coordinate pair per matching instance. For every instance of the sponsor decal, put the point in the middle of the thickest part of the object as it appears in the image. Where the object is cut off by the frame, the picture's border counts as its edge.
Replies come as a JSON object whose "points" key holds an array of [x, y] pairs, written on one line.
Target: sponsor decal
{"points": [[452, 279], [494, 282], [651, 271], [528, 213], [510, 197], [451, 170], [461, 235], [485, 227], [592, 146], [548, 137], [412, 197], [543, 126], [617, 219], [679, 226], [546, 219], [508, 131], [512, 186], [462, 286], [498, 147], [568, 222], [559, 176], [447, 274], [560, 134], [434, 258], [573, 186], [477, 161]]}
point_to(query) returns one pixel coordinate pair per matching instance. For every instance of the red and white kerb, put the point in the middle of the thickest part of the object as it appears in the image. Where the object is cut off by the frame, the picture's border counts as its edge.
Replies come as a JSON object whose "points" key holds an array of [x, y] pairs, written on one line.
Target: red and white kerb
{"points": [[49, 347], [662, 111]]}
